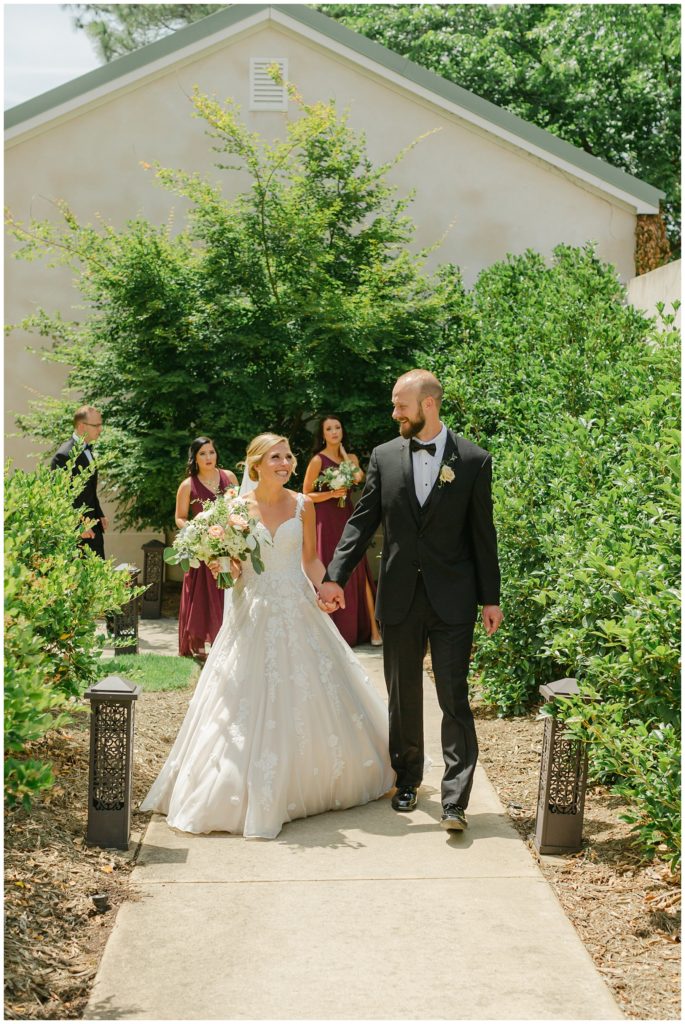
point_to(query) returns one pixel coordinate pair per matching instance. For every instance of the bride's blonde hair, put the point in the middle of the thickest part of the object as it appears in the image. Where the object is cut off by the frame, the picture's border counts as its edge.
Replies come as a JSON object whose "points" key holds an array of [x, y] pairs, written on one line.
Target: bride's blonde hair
{"points": [[257, 449]]}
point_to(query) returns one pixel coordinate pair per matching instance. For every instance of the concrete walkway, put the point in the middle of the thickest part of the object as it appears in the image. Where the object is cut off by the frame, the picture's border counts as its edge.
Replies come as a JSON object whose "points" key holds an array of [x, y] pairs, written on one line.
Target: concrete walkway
{"points": [[360, 914], [155, 636]]}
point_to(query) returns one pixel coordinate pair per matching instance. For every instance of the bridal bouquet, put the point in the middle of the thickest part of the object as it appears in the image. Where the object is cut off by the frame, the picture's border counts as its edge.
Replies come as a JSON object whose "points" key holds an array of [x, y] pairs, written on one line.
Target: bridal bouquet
{"points": [[338, 476], [222, 531]]}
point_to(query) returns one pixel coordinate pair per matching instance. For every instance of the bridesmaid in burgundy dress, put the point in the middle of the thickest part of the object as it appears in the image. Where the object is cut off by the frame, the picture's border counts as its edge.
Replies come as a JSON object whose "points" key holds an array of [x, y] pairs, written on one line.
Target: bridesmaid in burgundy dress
{"points": [[202, 603], [356, 621]]}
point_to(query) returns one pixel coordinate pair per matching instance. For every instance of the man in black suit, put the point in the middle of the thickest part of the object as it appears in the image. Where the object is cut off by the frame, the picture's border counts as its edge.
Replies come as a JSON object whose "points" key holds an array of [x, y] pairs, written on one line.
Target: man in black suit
{"points": [[87, 429], [431, 490]]}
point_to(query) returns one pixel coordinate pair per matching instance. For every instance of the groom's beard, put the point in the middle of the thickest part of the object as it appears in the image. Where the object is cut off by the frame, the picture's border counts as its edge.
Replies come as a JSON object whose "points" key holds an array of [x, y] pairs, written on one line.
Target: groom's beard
{"points": [[410, 428]]}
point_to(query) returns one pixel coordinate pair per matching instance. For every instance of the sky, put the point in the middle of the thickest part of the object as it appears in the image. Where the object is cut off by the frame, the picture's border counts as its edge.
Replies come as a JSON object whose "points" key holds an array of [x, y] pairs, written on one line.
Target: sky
{"points": [[42, 50]]}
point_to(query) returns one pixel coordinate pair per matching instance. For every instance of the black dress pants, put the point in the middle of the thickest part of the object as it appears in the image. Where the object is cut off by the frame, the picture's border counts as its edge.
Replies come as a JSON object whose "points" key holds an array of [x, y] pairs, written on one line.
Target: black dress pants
{"points": [[404, 648]]}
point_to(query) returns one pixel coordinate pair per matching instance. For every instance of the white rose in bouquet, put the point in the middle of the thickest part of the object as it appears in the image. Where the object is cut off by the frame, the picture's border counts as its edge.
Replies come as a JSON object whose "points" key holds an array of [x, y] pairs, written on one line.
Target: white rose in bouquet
{"points": [[336, 477], [222, 531]]}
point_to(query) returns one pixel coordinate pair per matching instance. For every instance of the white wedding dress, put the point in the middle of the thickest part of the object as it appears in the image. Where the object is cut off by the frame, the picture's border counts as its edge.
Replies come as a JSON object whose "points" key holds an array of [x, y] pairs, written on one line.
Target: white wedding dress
{"points": [[284, 722]]}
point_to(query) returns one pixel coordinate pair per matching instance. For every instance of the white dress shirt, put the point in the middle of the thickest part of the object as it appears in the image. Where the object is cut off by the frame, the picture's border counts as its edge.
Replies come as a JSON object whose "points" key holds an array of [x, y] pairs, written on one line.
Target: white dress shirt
{"points": [[79, 439], [427, 467]]}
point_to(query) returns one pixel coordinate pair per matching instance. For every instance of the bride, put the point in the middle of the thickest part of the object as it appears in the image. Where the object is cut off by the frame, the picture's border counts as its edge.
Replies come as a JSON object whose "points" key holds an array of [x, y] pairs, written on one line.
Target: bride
{"points": [[284, 723]]}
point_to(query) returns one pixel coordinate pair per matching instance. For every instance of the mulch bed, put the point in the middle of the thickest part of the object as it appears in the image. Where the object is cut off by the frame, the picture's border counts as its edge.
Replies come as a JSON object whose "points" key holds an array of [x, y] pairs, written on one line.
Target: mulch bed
{"points": [[54, 936], [626, 911]]}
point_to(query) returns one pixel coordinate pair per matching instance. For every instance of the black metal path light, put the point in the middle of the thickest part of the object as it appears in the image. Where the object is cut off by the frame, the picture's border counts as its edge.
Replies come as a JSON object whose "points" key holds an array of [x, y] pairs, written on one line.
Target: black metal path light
{"points": [[153, 579], [111, 761], [123, 625], [563, 778]]}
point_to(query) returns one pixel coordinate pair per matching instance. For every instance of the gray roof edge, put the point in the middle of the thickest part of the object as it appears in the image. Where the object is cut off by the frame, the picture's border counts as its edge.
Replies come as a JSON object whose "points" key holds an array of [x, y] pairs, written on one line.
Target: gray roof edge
{"points": [[415, 73], [129, 62]]}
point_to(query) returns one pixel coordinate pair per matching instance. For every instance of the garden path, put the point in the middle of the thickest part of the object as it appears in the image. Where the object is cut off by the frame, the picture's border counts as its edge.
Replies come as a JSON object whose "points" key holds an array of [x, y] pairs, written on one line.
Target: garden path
{"points": [[361, 914]]}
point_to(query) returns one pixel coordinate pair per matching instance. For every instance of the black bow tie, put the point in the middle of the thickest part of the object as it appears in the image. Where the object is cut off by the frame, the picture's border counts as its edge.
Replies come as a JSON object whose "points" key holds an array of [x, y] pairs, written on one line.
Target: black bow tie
{"points": [[87, 447], [417, 447]]}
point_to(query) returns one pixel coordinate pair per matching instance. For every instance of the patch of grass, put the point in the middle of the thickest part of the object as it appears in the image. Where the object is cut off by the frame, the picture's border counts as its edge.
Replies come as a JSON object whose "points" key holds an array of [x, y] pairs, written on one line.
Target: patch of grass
{"points": [[153, 671]]}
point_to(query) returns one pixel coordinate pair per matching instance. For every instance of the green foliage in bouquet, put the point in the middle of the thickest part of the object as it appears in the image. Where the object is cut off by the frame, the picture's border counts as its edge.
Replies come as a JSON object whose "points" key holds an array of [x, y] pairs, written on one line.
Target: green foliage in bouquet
{"points": [[222, 531], [336, 477], [577, 396], [297, 295], [53, 596]]}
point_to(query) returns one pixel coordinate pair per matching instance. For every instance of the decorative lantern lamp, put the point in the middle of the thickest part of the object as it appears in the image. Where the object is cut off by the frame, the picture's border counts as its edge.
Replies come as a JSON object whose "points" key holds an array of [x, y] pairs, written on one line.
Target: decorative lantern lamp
{"points": [[153, 579], [124, 624], [563, 777], [111, 761]]}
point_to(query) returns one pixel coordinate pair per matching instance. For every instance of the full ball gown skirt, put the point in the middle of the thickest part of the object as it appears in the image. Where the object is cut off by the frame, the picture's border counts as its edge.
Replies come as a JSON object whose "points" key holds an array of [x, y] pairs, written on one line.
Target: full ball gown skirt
{"points": [[284, 722], [202, 603], [353, 620]]}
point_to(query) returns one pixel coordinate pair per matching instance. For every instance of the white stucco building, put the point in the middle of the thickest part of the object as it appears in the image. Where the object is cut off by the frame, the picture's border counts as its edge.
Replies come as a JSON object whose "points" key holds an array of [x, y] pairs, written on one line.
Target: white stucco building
{"points": [[499, 184]]}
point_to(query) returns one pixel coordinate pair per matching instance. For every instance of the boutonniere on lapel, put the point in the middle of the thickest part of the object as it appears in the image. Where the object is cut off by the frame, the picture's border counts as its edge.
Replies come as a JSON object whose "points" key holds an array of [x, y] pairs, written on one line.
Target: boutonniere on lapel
{"points": [[446, 475]]}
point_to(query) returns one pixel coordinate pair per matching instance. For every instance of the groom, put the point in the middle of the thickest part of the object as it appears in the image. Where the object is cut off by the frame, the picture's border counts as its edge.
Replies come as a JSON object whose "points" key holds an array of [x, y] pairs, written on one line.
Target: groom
{"points": [[432, 492]]}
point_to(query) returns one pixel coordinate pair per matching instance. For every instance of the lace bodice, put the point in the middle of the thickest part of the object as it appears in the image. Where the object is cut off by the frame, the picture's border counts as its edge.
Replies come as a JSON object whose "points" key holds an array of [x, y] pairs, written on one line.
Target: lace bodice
{"points": [[281, 553]]}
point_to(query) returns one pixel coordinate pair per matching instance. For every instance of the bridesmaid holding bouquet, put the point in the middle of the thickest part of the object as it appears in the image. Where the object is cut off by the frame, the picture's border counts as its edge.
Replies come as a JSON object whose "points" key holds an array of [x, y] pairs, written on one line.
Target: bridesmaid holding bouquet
{"points": [[356, 621], [202, 602]]}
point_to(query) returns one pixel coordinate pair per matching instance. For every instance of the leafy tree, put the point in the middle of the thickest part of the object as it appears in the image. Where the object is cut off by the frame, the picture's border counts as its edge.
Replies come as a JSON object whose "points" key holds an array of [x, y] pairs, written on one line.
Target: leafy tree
{"points": [[117, 29], [295, 297], [604, 77]]}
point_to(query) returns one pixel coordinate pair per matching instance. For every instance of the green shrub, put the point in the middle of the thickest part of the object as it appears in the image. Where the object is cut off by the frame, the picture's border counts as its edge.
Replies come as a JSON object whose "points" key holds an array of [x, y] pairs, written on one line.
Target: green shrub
{"points": [[612, 613], [53, 595], [642, 760], [613, 610], [577, 397]]}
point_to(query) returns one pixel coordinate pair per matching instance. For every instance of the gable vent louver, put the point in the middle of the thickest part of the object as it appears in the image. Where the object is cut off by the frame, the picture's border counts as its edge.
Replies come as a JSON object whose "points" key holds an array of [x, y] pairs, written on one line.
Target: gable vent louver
{"points": [[265, 94]]}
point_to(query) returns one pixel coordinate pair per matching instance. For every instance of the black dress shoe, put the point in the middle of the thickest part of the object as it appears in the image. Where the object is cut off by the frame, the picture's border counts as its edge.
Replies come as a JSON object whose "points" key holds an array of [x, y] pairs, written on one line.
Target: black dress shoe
{"points": [[405, 798], [453, 818]]}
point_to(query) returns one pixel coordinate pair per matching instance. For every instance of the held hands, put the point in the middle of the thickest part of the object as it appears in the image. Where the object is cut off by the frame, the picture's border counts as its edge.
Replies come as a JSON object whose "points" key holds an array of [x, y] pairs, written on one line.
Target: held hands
{"points": [[236, 568], [330, 597], [87, 532], [340, 492], [492, 618]]}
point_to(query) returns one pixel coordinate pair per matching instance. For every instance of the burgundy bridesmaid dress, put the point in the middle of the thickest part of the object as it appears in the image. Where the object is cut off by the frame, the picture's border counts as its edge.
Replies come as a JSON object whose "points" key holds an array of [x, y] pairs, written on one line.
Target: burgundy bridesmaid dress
{"points": [[353, 620], [202, 603]]}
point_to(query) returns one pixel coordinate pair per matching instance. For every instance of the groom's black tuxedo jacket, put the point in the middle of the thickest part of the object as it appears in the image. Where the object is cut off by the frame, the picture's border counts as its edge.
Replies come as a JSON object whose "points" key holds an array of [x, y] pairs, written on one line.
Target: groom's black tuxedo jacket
{"points": [[451, 540], [88, 498]]}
